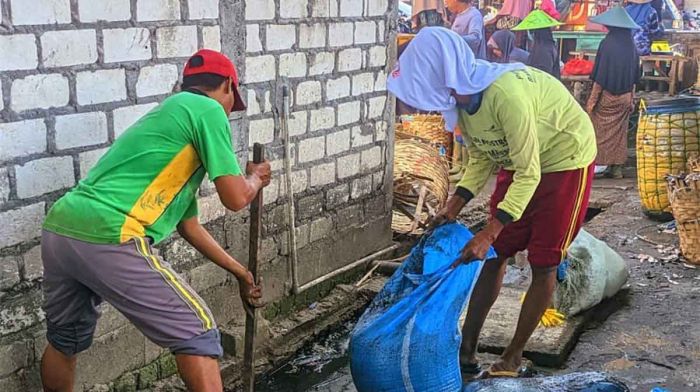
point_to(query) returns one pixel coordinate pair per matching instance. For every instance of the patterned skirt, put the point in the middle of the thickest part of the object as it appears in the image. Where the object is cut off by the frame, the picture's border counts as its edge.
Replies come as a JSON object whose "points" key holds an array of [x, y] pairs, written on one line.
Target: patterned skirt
{"points": [[610, 118]]}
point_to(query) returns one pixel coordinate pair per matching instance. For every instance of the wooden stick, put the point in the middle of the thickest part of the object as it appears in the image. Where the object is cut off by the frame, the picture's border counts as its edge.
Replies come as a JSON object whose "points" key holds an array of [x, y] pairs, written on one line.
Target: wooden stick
{"points": [[251, 322]]}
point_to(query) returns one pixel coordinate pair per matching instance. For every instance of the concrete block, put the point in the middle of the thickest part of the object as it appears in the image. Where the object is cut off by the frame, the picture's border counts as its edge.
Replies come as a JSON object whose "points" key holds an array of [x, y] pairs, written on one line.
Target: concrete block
{"points": [[297, 123], [378, 180], [271, 192], [380, 82], [280, 37], [21, 224], [88, 159], [302, 238], [320, 229], [351, 7], [310, 206], [38, 12], [22, 138], [14, 356], [371, 158], [324, 8], [381, 128], [206, 276], [348, 165], [210, 208], [33, 265], [375, 107], [259, 9], [129, 44], [323, 118], [157, 79], [44, 175], [363, 83], [340, 33], [126, 116], [337, 142], [349, 60], [337, 88], [337, 196], [376, 7], [39, 92], [365, 33], [377, 56], [312, 149], [381, 31], [252, 38], [351, 216], [4, 186], [178, 41], [293, 65], [360, 187], [21, 312], [261, 131], [211, 38], [107, 10], [259, 69], [153, 10], [253, 106], [348, 113], [110, 320], [360, 137], [322, 63], [18, 52], [308, 92], [203, 9], [293, 8], [312, 36], [300, 181], [82, 129], [9, 276], [2, 103], [323, 174], [68, 47], [122, 349], [101, 86]]}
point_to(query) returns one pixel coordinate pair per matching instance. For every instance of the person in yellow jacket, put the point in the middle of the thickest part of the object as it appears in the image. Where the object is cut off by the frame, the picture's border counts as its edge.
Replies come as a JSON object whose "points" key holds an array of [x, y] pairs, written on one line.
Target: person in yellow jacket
{"points": [[524, 124]]}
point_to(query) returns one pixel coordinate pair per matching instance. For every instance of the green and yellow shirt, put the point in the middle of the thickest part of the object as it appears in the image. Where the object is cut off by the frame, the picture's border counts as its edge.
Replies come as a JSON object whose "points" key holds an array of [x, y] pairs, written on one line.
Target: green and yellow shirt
{"points": [[528, 122], [147, 182]]}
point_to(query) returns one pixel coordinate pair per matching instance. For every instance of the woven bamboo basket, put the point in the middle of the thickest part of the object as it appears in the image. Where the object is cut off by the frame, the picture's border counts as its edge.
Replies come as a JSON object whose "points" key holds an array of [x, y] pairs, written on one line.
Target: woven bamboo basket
{"points": [[429, 128], [667, 135], [684, 194], [421, 185]]}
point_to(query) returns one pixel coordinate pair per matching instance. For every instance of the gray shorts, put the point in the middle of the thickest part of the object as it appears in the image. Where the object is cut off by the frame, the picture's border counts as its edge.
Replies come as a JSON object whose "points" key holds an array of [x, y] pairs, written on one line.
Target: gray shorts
{"points": [[79, 275]]}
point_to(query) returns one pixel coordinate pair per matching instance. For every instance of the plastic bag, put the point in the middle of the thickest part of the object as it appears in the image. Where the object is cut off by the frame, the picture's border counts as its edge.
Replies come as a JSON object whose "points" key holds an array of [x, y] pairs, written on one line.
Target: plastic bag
{"points": [[408, 338], [595, 272], [574, 382], [577, 67]]}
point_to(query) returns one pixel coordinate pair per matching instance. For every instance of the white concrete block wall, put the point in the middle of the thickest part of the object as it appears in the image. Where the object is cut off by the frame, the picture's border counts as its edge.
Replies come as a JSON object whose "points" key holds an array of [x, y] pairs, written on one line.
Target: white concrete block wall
{"points": [[74, 75]]}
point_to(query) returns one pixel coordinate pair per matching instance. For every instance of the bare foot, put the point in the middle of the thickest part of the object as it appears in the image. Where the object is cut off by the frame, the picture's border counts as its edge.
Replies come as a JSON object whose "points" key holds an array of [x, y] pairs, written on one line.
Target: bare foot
{"points": [[506, 365]]}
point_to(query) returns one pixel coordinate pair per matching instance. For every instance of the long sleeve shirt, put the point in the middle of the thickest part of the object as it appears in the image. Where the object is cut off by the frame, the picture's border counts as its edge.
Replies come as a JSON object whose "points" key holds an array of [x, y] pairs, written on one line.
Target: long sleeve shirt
{"points": [[469, 24], [528, 123]]}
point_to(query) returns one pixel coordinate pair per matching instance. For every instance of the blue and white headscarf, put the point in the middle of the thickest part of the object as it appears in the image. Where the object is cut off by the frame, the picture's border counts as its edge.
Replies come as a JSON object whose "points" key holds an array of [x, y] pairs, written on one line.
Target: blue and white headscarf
{"points": [[436, 61]]}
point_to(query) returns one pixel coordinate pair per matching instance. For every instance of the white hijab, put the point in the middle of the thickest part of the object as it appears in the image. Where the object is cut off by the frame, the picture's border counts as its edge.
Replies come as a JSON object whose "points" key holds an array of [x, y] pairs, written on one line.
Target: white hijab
{"points": [[436, 61]]}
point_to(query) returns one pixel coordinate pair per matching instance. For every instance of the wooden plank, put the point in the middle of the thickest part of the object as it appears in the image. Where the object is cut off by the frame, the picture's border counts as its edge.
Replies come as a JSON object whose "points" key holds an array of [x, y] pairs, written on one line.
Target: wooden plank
{"points": [[251, 322]]}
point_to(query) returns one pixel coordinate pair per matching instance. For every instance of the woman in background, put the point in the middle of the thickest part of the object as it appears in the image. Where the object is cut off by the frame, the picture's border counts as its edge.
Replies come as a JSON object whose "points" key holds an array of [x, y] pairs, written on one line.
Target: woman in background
{"points": [[502, 48], [611, 101], [544, 54], [428, 13], [468, 23]]}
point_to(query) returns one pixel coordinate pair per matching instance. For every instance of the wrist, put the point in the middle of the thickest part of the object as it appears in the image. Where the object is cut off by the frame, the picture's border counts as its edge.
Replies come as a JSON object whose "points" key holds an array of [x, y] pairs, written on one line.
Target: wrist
{"points": [[493, 229]]}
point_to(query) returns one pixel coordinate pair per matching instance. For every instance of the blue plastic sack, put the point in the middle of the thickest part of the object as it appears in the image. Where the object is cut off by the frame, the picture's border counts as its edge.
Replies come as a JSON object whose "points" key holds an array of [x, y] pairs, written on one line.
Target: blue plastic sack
{"points": [[408, 338]]}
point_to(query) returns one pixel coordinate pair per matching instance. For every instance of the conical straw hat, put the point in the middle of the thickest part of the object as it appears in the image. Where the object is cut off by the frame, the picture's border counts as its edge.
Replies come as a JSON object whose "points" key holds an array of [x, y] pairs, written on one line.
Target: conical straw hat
{"points": [[615, 17], [537, 19]]}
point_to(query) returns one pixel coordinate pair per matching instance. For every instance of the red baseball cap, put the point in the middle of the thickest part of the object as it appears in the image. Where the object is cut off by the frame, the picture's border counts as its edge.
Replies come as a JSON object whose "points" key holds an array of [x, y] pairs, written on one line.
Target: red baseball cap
{"points": [[213, 62]]}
